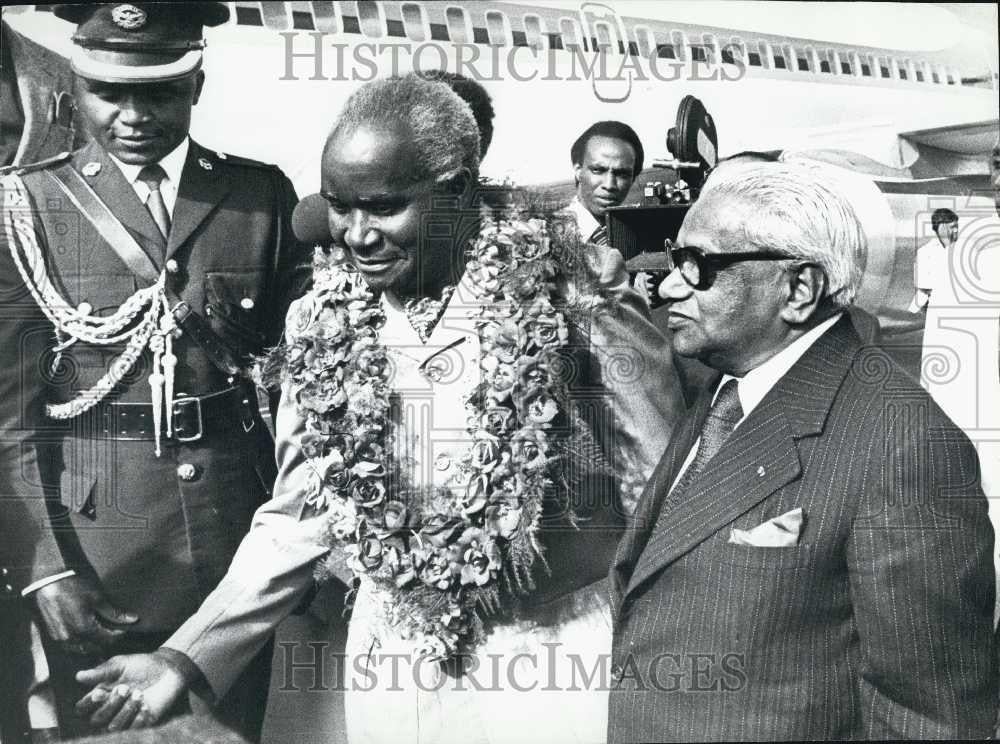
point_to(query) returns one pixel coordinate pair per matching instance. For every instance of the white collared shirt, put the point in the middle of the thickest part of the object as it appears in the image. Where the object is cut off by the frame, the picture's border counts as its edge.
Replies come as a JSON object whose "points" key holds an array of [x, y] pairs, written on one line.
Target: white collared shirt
{"points": [[586, 223], [757, 383], [173, 166]]}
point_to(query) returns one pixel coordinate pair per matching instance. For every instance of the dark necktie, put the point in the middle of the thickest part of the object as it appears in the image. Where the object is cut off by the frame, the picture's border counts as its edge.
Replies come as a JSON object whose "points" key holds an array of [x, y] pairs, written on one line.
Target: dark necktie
{"points": [[599, 236], [153, 175], [722, 418]]}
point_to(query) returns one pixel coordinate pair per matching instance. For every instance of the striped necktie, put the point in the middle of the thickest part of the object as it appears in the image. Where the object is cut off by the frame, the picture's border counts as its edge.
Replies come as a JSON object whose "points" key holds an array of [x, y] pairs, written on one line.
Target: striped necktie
{"points": [[599, 236], [722, 418]]}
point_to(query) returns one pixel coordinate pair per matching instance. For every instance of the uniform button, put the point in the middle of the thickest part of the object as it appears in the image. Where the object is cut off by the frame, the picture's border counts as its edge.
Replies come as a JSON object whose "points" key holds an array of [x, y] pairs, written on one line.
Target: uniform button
{"points": [[172, 266], [246, 303], [85, 308], [8, 589], [4, 572], [186, 471]]}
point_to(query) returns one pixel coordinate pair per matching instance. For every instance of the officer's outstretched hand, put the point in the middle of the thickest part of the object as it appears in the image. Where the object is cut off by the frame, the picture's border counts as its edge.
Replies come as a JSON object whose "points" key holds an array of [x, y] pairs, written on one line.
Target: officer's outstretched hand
{"points": [[77, 615], [131, 691]]}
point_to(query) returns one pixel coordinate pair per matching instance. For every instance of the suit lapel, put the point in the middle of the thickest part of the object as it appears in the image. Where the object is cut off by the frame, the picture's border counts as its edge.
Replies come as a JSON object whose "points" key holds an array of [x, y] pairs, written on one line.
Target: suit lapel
{"points": [[640, 527], [110, 185], [760, 458], [201, 190]]}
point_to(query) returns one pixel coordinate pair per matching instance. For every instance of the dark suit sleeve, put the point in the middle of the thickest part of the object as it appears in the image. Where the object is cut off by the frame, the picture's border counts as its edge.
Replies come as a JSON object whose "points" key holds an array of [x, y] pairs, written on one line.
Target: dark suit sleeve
{"points": [[292, 267], [29, 549], [632, 363], [920, 557]]}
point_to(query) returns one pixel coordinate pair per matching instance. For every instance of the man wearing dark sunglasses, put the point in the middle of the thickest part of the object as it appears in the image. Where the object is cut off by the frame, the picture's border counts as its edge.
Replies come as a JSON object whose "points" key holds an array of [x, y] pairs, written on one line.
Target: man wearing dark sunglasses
{"points": [[812, 558]]}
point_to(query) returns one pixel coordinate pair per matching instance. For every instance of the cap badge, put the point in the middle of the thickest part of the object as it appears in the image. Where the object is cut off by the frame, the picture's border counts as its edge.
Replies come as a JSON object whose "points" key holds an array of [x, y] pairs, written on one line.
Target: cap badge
{"points": [[203, 162], [91, 169], [128, 17]]}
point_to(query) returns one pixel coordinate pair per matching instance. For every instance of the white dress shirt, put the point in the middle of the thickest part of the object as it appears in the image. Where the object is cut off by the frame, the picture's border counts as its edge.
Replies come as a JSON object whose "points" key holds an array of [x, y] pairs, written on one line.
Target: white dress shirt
{"points": [[172, 164], [757, 383], [586, 223]]}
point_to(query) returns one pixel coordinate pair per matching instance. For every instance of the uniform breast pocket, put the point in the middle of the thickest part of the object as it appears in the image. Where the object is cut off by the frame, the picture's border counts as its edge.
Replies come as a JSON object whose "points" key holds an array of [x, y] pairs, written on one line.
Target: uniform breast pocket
{"points": [[233, 304]]}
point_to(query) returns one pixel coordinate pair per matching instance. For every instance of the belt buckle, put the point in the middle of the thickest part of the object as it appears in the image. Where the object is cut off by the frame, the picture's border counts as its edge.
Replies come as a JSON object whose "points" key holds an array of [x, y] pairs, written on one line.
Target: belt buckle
{"points": [[179, 404]]}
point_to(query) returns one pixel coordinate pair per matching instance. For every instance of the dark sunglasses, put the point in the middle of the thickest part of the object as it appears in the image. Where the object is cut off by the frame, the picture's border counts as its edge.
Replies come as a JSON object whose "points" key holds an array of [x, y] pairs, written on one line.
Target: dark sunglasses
{"points": [[698, 268]]}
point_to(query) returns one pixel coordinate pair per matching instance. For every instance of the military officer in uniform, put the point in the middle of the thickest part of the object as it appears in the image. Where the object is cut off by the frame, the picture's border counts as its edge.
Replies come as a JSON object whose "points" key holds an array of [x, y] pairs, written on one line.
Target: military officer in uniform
{"points": [[138, 275]]}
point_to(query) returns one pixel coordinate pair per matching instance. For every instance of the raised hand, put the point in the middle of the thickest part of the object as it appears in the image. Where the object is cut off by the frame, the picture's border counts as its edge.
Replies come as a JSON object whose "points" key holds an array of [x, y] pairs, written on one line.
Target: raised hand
{"points": [[77, 615], [131, 691]]}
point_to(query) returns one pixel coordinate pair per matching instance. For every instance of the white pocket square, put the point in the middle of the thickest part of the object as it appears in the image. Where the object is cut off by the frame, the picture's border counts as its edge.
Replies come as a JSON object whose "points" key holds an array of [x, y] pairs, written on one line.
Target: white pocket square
{"points": [[781, 532]]}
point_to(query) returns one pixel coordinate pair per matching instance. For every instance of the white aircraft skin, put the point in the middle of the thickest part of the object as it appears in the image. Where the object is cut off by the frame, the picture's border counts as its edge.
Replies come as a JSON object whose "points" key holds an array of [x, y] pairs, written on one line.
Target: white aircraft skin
{"points": [[260, 103]]}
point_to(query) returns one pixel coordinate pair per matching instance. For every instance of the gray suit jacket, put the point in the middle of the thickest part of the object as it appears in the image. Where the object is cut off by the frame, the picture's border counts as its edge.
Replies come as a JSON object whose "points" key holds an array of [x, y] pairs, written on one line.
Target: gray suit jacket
{"points": [[877, 624], [45, 85]]}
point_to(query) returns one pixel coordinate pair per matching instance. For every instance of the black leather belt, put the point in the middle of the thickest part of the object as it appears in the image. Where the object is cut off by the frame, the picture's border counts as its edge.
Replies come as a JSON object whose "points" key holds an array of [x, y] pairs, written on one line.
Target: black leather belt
{"points": [[192, 417]]}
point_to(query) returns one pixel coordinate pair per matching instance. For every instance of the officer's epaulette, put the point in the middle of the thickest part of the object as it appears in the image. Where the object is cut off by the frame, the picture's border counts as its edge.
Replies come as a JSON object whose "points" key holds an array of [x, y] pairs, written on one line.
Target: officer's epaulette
{"points": [[20, 170], [237, 160]]}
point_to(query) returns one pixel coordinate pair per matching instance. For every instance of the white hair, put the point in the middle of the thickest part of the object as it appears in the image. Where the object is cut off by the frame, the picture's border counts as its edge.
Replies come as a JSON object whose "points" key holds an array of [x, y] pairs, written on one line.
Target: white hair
{"points": [[797, 209], [438, 122]]}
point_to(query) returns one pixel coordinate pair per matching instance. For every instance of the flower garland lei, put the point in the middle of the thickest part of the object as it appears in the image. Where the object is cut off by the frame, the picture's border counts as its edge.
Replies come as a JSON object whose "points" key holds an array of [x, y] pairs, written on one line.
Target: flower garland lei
{"points": [[446, 556]]}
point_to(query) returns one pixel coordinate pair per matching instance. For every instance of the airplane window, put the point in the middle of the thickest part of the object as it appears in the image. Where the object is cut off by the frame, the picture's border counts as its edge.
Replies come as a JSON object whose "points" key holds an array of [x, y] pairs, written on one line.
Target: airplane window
{"points": [[803, 64], [248, 16], [727, 56], [519, 38], [920, 76], [680, 44], [496, 23], [533, 31], [698, 53], [413, 21], [754, 59], [395, 28], [884, 70], [569, 33], [439, 32], [555, 41], [666, 51], [845, 67], [643, 42], [779, 62], [324, 17], [603, 40], [935, 78], [275, 16], [709, 41], [370, 18], [479, 36], [458, 25], [902, 74], [866, 69]]}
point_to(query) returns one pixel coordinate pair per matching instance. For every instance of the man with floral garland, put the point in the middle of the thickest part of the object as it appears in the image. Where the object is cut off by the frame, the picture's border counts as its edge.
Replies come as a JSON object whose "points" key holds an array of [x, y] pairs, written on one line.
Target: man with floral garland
{"points": [[466, 419]]}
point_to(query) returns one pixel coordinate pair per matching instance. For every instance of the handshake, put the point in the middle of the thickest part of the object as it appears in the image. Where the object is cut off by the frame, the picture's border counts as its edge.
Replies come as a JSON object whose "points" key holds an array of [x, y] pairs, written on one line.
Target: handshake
{"points": [[136, 690]]}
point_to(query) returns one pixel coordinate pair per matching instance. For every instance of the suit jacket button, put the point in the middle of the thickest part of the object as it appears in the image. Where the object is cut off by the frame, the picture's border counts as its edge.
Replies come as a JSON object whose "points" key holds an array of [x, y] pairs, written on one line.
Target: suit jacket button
{"points": [[187, 472], [172, 266]]}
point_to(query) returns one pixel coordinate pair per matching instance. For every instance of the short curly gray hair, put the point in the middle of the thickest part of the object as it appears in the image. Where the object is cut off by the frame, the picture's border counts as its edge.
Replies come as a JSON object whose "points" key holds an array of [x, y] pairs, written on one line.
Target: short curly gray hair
{"points": [[440, 123]]}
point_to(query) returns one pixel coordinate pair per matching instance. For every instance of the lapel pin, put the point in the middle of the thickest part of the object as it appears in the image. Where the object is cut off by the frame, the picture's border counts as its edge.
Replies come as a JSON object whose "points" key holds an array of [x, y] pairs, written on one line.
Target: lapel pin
{"points": [[203, 162], [761, 471], [91, 169]]}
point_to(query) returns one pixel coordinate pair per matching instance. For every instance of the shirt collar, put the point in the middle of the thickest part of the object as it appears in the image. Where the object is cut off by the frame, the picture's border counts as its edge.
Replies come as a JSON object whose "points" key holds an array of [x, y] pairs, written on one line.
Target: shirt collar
{"points": [[172, 164], [586, 222], [757, 383]]}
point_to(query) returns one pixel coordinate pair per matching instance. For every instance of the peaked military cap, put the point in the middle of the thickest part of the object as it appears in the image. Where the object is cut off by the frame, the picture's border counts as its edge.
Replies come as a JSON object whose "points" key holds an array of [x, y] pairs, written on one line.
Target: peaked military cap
{"points": [[139, 42]]}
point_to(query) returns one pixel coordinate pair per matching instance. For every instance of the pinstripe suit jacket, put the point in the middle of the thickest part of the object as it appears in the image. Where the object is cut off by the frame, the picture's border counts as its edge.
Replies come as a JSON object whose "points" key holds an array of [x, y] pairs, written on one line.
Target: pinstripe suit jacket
{"points": [[878, 624]]}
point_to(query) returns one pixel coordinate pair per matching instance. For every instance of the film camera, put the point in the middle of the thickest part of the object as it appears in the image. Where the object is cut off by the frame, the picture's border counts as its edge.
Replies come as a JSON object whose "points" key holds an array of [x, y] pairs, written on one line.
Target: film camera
{"points": [[639, 231]]}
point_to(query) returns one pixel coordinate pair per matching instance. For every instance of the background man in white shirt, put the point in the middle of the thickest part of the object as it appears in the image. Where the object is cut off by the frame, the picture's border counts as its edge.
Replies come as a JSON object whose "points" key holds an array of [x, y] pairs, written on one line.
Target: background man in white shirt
{"points": [[930, 267]]}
